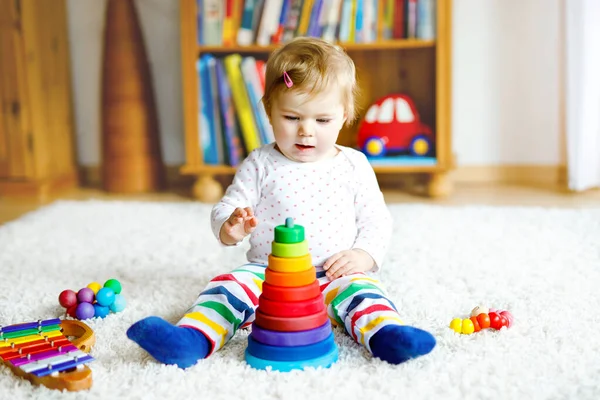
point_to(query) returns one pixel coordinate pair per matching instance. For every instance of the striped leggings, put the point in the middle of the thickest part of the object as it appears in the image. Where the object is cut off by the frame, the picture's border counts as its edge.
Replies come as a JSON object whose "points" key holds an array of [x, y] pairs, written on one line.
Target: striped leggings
{"points": [[228, 302]]}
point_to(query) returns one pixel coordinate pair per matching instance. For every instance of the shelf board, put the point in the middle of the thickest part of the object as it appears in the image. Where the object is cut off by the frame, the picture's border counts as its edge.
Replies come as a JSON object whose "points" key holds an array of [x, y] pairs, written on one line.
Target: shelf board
{"points": [[383, 45], [380, 169]]}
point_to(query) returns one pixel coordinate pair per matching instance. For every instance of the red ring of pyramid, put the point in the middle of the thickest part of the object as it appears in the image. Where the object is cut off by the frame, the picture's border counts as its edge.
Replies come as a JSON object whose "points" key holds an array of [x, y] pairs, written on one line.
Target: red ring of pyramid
{"points": [[298, 293], [288, 324], [291, 308]]}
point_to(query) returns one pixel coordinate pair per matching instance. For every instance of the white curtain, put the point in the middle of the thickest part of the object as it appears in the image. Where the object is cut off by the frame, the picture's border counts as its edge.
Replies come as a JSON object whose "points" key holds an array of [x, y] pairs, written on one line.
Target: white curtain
{"points": [[583, 92]]}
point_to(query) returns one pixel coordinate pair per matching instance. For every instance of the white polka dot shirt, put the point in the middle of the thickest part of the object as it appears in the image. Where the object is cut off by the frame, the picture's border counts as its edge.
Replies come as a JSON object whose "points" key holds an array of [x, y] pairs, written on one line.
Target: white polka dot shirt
{"points": [[338, 201]]}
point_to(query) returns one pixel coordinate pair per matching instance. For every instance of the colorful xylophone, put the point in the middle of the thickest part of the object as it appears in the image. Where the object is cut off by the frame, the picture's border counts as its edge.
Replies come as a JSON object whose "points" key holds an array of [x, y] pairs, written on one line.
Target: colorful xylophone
{"points": [[291, 329], [42, 353]]}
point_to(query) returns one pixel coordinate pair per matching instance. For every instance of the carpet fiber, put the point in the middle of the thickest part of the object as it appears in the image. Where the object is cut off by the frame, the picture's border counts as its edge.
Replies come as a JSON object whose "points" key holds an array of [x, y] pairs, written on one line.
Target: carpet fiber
{"points": [[541, 264]]}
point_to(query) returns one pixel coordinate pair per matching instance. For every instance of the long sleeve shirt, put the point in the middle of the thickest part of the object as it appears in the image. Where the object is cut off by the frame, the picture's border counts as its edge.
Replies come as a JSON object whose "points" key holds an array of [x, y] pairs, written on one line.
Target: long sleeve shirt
{"points": [[337, 200]]}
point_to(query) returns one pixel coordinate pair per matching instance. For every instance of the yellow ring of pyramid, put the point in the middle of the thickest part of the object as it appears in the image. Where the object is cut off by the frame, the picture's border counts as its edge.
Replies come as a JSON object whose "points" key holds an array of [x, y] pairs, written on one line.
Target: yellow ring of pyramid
{"points": [[289, 249], [295, 264]]}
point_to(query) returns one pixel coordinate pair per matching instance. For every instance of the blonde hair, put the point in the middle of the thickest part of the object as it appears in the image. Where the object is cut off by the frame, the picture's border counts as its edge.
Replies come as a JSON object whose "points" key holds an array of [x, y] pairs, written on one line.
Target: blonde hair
{"points": [[313, 65]]}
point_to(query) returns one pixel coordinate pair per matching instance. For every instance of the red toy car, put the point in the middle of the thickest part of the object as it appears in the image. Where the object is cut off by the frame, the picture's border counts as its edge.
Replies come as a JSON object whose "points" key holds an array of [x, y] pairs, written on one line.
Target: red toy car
{"points": [[392, 125]]}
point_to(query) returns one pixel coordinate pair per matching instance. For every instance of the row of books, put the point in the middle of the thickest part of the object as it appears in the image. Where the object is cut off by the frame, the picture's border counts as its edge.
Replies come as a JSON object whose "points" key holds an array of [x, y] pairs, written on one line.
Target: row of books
{"points": [[232, 119], [264, 22]]}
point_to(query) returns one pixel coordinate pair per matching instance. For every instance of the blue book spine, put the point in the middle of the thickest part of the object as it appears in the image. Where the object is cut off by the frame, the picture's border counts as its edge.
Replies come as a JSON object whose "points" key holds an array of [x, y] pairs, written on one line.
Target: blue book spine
{"points": [[209, 151]]}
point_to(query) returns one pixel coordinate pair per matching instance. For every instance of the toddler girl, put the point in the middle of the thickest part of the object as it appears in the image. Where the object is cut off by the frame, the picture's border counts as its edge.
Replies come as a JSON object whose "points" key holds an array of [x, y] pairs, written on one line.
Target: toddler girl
{"points": [[310, 92]]}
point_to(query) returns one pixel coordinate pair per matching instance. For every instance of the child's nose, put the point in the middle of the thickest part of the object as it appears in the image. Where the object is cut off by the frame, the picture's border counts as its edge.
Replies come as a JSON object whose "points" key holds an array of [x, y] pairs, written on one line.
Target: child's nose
{"points": [[306, 129]]}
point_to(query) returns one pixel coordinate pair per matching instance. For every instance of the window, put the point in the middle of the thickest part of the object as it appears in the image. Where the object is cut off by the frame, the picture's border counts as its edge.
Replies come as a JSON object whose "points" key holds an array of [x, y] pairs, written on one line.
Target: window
{"points": [[403, 111], [386, 111], [371, 115]]}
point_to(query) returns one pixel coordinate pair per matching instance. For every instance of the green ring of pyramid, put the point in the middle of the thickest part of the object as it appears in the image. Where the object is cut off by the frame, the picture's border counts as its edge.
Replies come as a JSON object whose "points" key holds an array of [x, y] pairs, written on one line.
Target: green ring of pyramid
{"points": [[289, 250], [289, 233]]}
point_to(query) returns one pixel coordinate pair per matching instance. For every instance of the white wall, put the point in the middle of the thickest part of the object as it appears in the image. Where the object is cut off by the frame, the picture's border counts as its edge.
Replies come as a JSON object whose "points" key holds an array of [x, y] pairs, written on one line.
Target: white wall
{"points": [[506, 79], [507, 107]]}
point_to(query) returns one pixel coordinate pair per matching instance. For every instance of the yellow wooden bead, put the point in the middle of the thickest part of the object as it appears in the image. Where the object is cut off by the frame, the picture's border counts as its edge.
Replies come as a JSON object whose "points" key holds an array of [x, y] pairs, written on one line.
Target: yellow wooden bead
{"points": [[467, 326], [95, 286], [456, 325]]}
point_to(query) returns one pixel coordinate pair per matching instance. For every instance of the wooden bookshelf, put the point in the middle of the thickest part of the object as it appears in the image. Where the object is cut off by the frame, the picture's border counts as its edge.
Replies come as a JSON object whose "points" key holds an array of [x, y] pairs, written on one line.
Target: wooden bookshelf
{"points": [[420, 68]]}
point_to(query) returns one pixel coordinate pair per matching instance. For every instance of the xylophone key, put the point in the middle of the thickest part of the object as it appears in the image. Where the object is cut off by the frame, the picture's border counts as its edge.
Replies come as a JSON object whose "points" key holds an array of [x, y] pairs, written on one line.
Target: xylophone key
{"points": [[28, 325], [24, 339], [63, 350], [33, 331], [71, 363], [54, 362], [33, 348]]}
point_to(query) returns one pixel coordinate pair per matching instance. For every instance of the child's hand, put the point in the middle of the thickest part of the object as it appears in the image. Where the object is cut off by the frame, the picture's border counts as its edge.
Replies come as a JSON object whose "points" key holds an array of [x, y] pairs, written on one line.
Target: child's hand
{"points": [[348, 262], [240, 224]]}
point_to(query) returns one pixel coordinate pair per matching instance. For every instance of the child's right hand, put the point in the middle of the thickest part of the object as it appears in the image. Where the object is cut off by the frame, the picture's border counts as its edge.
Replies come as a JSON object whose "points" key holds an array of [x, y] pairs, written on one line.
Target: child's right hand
{"points": [[240, 224]]}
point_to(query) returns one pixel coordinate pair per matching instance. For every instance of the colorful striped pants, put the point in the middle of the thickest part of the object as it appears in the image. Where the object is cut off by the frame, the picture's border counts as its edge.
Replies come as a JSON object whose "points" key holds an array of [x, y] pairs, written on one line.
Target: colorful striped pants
{"points": [[357, 302]]}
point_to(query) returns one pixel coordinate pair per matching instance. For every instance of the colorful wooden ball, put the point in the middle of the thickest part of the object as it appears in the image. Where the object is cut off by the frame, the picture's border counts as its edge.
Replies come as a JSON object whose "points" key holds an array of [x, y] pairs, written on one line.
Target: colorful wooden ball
{"points": [[484, 320], [508, 317], [84, 311], [479, 310], [71, 311], [67, 298], [85, 295], [495, 321], [456, 325], [100, 311], [105, 296], [467, 326], [114, 284], [119, 304], [95, 286], [476, 326]]}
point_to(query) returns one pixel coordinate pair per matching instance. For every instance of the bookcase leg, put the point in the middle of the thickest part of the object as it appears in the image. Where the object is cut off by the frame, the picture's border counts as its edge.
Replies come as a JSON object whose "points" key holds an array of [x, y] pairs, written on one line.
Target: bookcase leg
{"points": [[439, 185], [207, 189]]}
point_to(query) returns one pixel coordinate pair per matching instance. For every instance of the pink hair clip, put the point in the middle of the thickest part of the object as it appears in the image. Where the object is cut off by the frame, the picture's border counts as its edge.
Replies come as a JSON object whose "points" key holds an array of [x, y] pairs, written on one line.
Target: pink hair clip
{"points": [[287, 80]]}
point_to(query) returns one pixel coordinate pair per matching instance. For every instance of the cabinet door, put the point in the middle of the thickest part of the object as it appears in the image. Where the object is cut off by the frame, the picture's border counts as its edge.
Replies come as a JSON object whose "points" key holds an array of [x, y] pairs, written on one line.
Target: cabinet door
{"points": [[14, 156]]}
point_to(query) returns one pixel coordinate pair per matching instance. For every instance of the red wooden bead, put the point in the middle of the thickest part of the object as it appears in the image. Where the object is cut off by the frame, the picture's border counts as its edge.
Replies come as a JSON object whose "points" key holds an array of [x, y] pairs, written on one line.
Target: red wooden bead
{"points": [[495, 321], [67, 298], [71, 311]]}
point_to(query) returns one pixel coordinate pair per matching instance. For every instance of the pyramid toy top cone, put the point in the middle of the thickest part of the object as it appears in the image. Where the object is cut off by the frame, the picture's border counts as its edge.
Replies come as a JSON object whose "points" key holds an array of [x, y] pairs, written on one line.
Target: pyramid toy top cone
{"points": [[291, 329]]}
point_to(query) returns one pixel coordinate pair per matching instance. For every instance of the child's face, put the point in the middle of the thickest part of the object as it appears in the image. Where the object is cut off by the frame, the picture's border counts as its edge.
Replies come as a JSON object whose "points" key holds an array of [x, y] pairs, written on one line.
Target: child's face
{"points": [[306, 128]]}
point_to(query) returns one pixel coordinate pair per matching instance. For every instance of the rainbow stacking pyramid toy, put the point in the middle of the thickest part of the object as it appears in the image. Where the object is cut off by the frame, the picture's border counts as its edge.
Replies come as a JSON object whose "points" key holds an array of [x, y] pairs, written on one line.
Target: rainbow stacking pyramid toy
{"points": [[291, 329]]}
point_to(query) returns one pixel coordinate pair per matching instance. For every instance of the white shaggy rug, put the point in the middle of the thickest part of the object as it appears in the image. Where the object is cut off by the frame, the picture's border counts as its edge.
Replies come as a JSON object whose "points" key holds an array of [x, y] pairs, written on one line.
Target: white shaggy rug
{"points": [[541, 264]]}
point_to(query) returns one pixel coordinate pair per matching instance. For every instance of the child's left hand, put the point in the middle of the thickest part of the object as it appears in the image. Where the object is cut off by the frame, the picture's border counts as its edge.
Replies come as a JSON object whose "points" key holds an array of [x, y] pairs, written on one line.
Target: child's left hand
{"points": [[348, 262]]}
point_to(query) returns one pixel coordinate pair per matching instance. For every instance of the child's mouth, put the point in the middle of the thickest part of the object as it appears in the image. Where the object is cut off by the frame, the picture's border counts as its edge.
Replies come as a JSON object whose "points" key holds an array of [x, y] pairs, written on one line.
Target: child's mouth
{"points": [[303, 147]]}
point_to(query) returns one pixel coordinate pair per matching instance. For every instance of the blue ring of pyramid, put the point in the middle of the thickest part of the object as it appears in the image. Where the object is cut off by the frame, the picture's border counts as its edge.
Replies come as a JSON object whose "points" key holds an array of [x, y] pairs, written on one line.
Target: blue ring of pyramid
{"points": [[324, 361]]}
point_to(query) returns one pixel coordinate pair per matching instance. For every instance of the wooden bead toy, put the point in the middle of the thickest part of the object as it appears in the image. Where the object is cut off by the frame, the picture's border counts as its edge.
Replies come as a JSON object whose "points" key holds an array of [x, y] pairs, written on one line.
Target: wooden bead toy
{"points": [[494, 319], [105, 296], [95, 286], [101, 311], [67, 298], [85, 310], [85, 295], [42, 353], [119, 304], [100, 300], [291, 329], [113, 284]]}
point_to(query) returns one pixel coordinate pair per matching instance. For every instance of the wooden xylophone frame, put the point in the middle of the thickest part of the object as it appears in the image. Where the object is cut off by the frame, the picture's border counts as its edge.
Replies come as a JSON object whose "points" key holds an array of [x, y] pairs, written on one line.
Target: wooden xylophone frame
{"points": [[74, 379]]}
